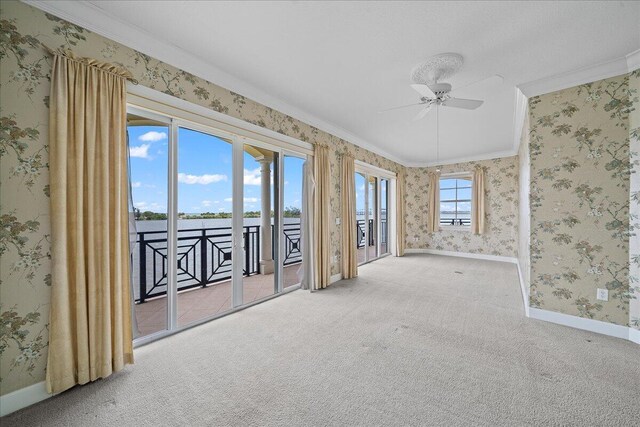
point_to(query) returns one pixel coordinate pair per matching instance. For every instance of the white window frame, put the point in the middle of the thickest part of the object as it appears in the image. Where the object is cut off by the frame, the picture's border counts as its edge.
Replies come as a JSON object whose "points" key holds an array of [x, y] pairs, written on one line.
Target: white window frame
{"points": [[455, 175]]}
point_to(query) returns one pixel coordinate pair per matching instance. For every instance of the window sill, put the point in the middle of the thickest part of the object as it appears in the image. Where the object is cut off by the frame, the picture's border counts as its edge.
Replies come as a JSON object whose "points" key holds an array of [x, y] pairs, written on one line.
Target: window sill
{"points": [[454, 228]]}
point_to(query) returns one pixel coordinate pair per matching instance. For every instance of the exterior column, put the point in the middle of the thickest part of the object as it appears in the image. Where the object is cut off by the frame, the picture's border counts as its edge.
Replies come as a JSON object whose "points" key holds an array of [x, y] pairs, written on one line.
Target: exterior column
{"points": [[266, 260]]}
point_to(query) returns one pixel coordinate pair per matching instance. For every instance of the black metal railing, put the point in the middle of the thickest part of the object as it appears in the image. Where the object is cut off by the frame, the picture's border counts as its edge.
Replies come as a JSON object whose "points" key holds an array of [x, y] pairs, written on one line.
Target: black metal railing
{"points": [[360, 234], [455, 221], [204, 257]]}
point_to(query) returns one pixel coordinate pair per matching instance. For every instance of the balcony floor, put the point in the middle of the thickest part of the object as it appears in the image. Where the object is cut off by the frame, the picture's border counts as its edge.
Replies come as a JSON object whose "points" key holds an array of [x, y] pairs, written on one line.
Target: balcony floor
{"points": [[200, 303]]}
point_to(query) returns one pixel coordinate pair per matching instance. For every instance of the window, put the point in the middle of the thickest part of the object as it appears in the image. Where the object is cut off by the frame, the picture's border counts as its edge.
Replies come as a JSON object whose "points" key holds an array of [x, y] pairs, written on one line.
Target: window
{"points": [[455, 201]]}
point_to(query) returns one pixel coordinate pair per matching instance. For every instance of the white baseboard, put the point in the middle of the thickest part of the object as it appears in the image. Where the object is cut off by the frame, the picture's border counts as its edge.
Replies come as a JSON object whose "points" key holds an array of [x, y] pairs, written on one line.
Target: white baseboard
{"points": [[462, 255], [335, 278], [22, 398], [523, 289], [596, 326], [591, 325]]}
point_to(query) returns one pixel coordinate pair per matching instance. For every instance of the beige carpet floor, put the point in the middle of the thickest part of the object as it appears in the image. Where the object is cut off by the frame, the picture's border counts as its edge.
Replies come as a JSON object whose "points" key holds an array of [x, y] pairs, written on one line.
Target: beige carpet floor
{"points": [[419, 340]]}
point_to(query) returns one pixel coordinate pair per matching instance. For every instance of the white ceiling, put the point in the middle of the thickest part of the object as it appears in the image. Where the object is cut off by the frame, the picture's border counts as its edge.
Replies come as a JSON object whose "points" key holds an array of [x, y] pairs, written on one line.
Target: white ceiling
{"points": [[336, 64]]}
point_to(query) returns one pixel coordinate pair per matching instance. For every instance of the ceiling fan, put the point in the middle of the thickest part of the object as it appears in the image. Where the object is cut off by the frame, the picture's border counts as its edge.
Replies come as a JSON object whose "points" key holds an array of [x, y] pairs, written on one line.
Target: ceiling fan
{"points": [[426, 76]]}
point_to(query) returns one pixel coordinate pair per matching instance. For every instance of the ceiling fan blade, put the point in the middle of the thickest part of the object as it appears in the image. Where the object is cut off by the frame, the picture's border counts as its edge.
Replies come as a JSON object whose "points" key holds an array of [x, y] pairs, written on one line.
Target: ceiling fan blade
{"points": [[424, 91], [497, 77], [467, 104], [422, 113], [401, 106]]}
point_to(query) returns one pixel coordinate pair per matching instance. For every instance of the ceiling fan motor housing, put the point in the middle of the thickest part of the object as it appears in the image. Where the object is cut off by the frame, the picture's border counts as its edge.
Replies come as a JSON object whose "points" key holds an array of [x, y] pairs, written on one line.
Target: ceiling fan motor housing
{"points": [[440, 89]]}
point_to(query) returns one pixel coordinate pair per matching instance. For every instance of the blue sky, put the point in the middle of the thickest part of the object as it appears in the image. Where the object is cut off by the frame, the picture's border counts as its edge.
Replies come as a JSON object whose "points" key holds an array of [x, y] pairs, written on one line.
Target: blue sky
{"points": [[204, 172]]}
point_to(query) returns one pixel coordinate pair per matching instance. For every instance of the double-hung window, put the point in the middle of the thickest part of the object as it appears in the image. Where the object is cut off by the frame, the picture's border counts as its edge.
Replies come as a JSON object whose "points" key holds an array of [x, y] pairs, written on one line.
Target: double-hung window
{"points": [[455, 200]]}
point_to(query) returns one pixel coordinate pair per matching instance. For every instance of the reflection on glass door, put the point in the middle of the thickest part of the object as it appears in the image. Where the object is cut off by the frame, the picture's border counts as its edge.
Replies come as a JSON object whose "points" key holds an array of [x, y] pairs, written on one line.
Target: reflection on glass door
{"points": [[204, 247], [292, 221], [384, 216], [149, 161], [372, 218], [260, 220]]}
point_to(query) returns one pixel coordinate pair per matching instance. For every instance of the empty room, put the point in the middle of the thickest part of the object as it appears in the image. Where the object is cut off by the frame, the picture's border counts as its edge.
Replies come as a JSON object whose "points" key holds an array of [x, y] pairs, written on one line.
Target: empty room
{"points": [[319, 213]]}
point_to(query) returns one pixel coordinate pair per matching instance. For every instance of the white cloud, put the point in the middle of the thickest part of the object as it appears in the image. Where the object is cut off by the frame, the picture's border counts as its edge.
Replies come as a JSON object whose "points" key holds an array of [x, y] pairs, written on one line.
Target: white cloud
{"points": [[200, 179], [136, 184], [141, 151], [246, 199], [206, 203], [254, 177], [153, 136]]}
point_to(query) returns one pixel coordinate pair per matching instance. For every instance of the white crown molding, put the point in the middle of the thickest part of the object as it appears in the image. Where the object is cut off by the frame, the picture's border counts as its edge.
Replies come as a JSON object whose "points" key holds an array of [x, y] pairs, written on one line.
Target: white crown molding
{"points": [[633, 60], [90, 16], [520, 113], [573, 78], [475, 158], [23, 397]]}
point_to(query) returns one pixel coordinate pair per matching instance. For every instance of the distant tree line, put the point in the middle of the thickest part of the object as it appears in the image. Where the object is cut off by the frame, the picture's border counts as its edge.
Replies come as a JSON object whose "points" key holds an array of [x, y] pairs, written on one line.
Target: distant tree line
{"points": [[289, 212]]}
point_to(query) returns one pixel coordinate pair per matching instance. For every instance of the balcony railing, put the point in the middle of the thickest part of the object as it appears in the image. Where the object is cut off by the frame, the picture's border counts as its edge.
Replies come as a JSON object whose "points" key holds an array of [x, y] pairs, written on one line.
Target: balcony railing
{"points": [[204, 257], [360, 234], [455, 221]]}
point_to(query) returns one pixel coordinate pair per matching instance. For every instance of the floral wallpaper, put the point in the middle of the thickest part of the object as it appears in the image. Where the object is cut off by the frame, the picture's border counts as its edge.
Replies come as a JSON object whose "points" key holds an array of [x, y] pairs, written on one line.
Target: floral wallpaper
{"points": [[524, 226], [501, 189], [634, 200], [579, 199], [24, 200]]}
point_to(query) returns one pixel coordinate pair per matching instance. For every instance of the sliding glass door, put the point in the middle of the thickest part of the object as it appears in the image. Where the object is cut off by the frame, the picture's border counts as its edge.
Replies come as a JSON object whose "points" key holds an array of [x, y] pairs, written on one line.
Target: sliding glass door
{"points": [[211, 233], [204, 232], [260, 220]]}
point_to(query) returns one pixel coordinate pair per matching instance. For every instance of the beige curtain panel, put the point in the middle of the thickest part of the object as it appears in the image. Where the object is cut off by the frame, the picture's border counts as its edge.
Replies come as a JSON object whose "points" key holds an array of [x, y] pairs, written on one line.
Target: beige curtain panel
{"points": [[321, 172], [478, 213], [433, 219], [348, 191], [90, 333], [400, 222]]}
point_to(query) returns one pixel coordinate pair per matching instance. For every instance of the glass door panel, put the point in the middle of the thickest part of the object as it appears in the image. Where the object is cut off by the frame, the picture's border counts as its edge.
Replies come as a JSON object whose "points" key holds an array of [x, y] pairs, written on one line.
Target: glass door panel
{"points": [[149, 162], [204, 245], [384, 222], [372, 210], [259, 221], [291, 218], [361, 220]]}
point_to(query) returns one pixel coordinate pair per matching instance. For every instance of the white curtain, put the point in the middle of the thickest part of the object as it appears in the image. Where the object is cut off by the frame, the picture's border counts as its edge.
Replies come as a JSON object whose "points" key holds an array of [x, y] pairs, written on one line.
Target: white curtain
{"points": [[133, 237], [478, 212], [433, 220], [305, 272]]}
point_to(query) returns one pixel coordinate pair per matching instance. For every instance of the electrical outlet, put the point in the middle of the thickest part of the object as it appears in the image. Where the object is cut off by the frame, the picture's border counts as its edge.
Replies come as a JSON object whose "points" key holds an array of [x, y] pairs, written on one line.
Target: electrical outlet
{"points": [[602, 294]]}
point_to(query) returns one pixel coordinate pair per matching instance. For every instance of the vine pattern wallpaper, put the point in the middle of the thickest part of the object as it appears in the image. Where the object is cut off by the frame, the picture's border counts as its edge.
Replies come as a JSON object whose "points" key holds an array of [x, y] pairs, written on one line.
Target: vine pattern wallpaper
{"points": [[24, 201], [579, 199], [634, 200], [501, 192]]}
